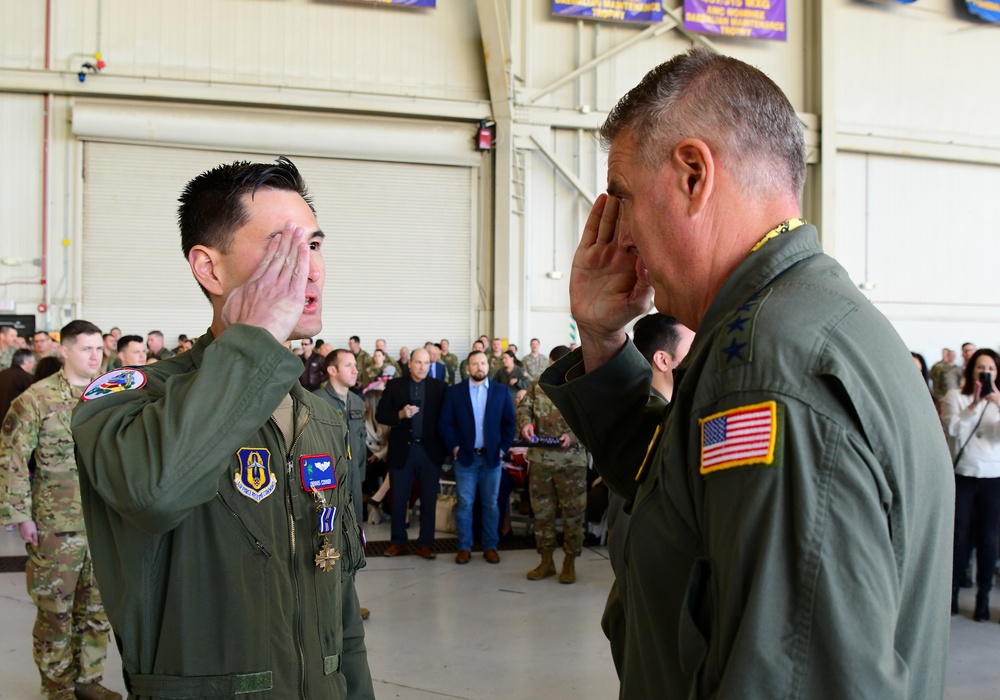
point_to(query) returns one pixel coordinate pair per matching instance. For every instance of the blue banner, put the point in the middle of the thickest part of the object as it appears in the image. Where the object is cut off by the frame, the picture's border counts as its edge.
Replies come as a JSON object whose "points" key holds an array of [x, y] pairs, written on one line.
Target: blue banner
{"points": [[614, 10], [988, 10]]}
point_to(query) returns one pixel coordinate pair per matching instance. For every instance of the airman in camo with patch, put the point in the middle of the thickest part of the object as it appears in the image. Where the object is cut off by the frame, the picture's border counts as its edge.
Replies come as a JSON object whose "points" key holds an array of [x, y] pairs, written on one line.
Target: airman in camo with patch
{"points": [[557, 476], [71, 629]]}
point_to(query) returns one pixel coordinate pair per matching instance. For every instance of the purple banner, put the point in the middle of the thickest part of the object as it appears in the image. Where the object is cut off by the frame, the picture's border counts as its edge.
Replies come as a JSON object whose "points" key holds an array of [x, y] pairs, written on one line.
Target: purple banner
{"points": [[432, 4], [615, 10], [751, 19]]}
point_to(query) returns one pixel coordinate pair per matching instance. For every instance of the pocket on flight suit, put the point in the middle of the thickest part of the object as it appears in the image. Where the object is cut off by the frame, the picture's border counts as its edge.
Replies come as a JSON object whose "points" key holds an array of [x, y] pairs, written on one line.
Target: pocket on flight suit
{"points": [[695, 622]]}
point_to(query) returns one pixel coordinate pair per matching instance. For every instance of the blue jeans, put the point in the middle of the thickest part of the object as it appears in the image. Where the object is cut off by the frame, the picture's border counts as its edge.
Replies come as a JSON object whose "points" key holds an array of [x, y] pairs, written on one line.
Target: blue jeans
{"points": [[487, 479]]}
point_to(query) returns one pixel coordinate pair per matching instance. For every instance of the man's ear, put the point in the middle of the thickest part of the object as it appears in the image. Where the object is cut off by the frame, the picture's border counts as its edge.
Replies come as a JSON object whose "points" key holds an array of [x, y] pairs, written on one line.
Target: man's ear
{"points": [[695, 165], [204, 264], [662, 360]]}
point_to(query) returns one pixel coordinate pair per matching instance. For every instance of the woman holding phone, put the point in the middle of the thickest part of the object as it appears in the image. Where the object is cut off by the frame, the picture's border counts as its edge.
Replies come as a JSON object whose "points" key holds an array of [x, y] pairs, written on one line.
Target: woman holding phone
{"points": [[971, 418]]}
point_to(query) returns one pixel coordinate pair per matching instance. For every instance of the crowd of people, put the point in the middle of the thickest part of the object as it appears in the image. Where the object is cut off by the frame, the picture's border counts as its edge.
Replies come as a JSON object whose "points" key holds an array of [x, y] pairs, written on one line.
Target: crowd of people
{"points": [[968, 403]]}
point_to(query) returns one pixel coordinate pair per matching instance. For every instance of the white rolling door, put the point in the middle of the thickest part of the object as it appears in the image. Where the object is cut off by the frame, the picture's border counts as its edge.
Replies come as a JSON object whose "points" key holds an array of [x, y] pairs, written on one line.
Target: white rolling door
{"points": [[398, 250]]}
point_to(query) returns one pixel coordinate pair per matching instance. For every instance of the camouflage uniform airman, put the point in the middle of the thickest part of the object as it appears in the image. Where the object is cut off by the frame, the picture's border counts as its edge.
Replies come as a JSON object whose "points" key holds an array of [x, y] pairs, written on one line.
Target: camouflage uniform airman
{"points": [[496, 362], [7, 356], [944, 377], [450, 361], [71, 629], [534, 366], [363, 360], [556, 476]]}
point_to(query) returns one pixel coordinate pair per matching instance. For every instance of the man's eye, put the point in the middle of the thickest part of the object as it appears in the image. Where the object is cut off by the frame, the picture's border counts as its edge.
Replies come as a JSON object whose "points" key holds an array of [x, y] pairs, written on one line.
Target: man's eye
{"points": [[314, 245]]}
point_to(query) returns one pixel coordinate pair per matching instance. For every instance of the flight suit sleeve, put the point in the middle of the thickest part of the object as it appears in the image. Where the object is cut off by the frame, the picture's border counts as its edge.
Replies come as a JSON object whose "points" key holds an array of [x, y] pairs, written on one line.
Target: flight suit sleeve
{"points": [[807, 604], [18, 438], [155, 453], [618, 438], [354, 662]]}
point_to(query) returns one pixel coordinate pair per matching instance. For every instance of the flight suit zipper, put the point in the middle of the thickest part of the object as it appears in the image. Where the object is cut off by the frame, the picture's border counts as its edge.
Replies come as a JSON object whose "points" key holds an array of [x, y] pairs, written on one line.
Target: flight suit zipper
{"points": [[289, 483], [256, 541]]}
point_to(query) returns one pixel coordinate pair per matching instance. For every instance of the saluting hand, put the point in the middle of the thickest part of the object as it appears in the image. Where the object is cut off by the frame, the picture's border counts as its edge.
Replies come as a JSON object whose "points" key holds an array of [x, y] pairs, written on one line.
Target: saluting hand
{"points": [[275, 294], [605, 291]]}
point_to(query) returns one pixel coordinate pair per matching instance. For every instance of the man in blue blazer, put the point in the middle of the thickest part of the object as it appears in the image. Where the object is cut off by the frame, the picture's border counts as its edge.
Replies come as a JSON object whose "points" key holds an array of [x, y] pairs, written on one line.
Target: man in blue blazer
{"points": [[477, 425]]}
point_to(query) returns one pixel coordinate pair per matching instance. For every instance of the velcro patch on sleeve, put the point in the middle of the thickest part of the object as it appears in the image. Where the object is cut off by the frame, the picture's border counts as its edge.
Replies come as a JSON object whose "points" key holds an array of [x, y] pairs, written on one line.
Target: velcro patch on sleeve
{"points": [[738, 437], [125, 379]]}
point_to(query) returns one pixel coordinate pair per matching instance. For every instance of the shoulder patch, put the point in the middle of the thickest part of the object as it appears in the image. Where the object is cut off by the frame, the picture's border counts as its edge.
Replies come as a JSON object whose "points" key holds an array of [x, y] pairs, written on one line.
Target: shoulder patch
{"points": [[735, 342], [738, 437], [124, 379]]}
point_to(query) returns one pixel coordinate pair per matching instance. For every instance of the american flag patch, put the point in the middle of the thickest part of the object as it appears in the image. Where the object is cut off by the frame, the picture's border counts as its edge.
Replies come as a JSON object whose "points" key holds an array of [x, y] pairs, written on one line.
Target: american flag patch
{"points": [[744, 435]]}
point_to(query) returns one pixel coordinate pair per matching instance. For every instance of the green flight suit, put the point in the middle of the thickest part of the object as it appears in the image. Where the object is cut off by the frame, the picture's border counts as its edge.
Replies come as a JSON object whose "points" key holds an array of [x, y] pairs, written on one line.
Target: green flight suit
{"points": [[71, 630], [822, 574], [204, 538], [353, 415]]}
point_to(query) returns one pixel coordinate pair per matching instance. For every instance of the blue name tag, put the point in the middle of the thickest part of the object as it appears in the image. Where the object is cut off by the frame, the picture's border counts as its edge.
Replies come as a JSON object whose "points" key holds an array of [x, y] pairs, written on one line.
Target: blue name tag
{"points": [[318, 473]]}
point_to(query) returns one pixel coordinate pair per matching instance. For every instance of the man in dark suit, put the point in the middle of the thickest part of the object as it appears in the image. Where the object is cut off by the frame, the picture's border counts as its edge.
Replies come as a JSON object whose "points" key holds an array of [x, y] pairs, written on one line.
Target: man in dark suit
{"points": [[477, 424], [412, 406], [437, 370]]}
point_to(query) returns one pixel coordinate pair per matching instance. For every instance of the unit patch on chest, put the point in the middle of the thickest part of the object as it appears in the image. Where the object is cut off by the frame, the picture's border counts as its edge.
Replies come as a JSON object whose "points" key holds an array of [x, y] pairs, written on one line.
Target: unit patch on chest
{"points": [[734, 345], [255, 479], [318, 473]]}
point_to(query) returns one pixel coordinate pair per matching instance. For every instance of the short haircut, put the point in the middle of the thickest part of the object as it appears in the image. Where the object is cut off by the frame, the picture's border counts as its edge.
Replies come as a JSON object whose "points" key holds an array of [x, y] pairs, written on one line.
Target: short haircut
{"points": [[4, 328], [475, 352], [331, 357], [968, 343], [356, 339], [212, 208], [107, 335], [534, 340], [21, 357], [69, 332], [558, 352], [40, 332], [656, 332], [741, 114], [182, 337], [158, 334], [124, 341]]}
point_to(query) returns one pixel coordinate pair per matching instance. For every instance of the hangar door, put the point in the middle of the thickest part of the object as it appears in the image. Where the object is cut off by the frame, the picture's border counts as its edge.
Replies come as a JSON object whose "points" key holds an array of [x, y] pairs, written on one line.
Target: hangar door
{"points": [[398, 248]]}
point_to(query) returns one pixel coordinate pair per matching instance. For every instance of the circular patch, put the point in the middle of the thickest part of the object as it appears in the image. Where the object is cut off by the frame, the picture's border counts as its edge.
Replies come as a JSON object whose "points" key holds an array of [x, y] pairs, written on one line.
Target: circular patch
{"points": [[124, 379]]}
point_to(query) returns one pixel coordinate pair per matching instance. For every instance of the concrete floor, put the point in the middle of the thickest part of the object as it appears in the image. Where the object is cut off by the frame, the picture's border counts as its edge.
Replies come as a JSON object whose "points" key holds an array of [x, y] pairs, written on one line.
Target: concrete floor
{"points": [[481, 632]]}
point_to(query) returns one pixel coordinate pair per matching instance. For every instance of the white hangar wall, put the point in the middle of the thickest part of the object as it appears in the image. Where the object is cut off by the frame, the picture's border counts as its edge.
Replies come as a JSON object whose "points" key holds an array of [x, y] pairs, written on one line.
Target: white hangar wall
{"points": [[897, 101]]}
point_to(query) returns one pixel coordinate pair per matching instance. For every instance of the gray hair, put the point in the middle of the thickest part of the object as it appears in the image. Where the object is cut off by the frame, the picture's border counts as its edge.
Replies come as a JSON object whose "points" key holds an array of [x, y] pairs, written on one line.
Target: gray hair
{"points": [[741, 114]]}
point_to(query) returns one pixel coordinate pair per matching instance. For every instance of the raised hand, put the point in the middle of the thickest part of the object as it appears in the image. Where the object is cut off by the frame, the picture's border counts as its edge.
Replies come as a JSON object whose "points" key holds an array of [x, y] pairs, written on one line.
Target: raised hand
{"points": [[605, 291], [275, 294]]}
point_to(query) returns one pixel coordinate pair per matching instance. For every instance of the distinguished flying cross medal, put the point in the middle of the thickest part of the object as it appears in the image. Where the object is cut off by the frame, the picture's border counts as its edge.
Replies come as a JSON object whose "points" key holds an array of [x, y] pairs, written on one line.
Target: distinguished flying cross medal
{"points": [[255, 479], [327, 557]]}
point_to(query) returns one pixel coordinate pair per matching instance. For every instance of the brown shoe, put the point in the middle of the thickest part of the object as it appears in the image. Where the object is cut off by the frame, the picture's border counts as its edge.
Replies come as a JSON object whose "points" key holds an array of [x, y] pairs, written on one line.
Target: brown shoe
{"points": [[491, 556], [425, 552], [395, 550], [64, 694], [95, 691], [365, 613], [463, 556]]}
